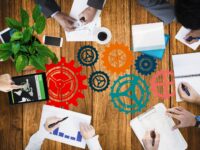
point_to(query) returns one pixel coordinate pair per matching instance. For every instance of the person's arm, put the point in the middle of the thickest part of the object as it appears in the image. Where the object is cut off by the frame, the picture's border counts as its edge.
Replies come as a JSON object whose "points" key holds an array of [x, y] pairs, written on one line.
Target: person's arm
{"points": [[88, 133], [38, 138], [49, 7], [98, 4], [159, 8]]}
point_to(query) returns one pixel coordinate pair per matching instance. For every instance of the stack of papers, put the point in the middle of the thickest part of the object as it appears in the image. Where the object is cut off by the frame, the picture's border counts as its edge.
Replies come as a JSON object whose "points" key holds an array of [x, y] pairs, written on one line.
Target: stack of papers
{"points": [[180, 36], [85, 32], [148, 37], [186, 69]]}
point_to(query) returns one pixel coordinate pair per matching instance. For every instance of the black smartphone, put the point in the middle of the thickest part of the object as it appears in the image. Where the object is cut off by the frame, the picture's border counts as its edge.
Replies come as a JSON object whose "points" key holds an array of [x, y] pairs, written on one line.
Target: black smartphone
{"points": [[53, 41]]}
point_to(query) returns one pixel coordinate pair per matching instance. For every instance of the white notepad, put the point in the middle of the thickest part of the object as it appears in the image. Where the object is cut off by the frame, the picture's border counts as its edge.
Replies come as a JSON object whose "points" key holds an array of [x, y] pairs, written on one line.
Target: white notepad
{"points": [[156, 118], [148, 36], [86, 32], [69, 130], [180, 36], [187, 69]]}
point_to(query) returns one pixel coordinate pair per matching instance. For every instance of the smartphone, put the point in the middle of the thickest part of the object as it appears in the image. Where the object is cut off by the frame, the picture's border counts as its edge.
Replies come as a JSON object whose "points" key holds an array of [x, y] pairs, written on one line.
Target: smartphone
{"points": [[53, 41], [6, 34], [34, 89]]}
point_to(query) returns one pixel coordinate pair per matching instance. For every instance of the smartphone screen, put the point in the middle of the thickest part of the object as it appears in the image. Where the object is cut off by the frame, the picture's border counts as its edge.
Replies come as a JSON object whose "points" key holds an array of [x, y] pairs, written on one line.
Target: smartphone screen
{"points": [[53, 41]]}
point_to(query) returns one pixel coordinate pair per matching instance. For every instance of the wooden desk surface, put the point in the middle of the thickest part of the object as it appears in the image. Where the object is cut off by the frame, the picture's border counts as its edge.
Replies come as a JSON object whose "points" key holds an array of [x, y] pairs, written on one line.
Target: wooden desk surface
{"points": [[18, 123]]}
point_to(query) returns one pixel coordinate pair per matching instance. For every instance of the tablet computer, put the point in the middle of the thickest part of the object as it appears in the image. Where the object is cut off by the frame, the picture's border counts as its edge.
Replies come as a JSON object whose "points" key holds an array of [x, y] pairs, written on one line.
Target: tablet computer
{"points": [[34, 89]]}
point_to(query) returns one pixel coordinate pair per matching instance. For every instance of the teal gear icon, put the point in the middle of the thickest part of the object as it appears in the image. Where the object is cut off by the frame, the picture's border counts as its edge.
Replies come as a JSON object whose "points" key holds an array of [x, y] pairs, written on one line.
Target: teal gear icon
{"points": [[99, 81], [87, 55], [126, 87], [145, 64]]}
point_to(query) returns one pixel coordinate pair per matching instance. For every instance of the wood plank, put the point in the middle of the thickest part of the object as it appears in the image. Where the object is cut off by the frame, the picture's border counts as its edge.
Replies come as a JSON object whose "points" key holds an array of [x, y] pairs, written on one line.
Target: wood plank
{"points": [[11, 116]]}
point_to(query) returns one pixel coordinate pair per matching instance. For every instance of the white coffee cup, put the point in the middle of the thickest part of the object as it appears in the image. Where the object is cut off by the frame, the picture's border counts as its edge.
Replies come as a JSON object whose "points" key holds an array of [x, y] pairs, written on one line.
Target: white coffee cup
{"points": [[102, 35]]}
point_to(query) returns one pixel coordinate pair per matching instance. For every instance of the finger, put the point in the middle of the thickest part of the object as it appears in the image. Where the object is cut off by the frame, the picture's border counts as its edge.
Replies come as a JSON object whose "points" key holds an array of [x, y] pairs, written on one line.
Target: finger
{"points": [[179, 108], [193, 41], [174, 116], [174, 111], [71, 19], [181, 92], [15, 87]]}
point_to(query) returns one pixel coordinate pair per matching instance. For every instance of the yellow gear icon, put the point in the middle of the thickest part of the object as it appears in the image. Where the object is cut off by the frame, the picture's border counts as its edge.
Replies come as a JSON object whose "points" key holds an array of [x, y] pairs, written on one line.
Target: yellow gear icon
{"points": [[117, 58]]}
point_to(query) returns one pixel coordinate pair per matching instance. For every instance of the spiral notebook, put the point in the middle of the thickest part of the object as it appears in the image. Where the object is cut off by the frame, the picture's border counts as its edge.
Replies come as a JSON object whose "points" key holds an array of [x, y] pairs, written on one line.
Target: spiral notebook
{"points": [[156, 119], [187, 69]]}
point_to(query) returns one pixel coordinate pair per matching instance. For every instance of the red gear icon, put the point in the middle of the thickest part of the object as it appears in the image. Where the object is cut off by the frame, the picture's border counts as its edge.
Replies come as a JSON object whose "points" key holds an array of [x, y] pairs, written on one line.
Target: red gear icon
{"points": [[164, 84], [65, 84]]}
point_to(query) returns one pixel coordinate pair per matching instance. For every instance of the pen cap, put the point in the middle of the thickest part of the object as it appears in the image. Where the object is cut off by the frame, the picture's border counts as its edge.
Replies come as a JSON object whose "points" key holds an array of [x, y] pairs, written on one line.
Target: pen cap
{"points": [[102, 35]]}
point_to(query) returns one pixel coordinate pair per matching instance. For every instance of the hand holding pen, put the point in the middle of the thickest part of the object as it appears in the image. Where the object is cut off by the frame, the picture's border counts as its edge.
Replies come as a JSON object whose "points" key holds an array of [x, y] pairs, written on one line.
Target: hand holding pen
{"points": [[53, 122], [151, 140], [192, 37], [188, 94]]}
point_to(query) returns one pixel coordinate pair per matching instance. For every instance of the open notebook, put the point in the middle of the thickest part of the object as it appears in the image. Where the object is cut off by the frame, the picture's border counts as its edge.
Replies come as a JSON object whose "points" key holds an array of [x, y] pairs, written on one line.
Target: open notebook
{"points": [[156, 118], [187, 69]]}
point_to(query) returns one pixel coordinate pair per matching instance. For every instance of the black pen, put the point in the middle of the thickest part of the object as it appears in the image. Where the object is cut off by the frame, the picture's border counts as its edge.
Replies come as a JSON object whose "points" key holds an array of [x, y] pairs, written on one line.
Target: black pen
{"points": [[189, 39], [185, 89], [153, 136], [53, 124]]}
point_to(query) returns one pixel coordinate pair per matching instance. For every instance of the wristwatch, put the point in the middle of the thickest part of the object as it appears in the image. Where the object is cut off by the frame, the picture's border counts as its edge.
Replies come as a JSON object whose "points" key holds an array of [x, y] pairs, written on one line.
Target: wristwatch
{"points": [[197, 121]]}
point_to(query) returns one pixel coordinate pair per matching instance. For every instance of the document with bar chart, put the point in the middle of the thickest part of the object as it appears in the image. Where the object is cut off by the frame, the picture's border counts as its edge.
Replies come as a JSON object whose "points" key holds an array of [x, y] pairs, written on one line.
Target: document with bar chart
{"points": [[69, 130]]}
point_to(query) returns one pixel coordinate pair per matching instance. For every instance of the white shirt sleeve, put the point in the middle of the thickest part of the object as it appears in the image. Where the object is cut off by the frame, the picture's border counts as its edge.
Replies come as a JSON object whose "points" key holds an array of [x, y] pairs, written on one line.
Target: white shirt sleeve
{"points": [[36, 140], [93, 143]]}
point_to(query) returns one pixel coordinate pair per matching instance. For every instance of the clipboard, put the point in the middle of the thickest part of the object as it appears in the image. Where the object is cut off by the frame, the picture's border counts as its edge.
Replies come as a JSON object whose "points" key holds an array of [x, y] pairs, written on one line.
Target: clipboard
{"points": [[155, 118]]}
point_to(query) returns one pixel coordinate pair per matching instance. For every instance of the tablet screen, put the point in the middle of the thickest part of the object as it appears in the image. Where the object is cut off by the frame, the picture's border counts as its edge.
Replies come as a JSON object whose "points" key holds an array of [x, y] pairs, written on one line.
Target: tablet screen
{"points": [[34, 89]]}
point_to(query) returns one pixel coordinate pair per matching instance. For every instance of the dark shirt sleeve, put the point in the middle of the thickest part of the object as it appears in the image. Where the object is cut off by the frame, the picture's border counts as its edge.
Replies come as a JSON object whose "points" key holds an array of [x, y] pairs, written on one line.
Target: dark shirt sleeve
{"points": [[49, 7], [98, 4]]}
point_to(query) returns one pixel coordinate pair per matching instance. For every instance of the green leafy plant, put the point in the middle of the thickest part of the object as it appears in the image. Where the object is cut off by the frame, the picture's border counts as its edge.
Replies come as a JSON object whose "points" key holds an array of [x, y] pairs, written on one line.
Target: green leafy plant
{"points": [[24, 47]]}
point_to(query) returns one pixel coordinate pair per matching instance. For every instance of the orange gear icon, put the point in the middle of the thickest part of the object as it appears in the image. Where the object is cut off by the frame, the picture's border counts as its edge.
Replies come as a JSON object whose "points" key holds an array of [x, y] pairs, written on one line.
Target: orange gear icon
{"points": [[117, 58]]}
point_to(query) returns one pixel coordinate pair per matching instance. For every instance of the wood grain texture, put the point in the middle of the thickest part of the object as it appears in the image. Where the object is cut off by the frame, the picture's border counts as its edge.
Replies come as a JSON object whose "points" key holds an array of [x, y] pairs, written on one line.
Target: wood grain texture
{"points": [[19, 122]]}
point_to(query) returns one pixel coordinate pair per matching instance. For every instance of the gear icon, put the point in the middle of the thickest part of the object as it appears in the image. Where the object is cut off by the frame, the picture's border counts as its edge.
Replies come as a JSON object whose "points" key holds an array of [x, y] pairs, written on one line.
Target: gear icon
{"points": [[65, 84], [117, 58], [145, 64], [119, 92], [87, 55], [162, 80], [99, 81]]}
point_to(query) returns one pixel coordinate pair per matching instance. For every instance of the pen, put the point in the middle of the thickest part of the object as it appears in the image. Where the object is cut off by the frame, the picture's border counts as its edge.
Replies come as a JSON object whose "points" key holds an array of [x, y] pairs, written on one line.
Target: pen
{"points": [[189, 39], [185, 89], [153, 136], [83, 19], [53, 124]]}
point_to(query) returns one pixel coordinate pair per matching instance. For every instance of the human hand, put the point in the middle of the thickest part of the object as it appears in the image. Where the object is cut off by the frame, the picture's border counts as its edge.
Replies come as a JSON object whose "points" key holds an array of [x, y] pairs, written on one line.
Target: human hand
{"points": [[185, 118], [87, 131], [193, 96], [6, 83], [87, 15], [51, 120], [148, 141], [65, 21], [194, 34]]}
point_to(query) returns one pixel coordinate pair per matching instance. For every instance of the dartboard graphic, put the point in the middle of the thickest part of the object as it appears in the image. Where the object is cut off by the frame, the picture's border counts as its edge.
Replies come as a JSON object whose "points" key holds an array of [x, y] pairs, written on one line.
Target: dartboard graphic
{"points": [[130, 87]]}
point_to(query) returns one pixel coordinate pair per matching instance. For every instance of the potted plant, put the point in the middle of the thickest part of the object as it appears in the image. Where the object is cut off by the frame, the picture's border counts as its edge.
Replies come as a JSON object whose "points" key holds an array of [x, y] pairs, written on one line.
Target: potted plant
{"points": [[24, 47]]}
